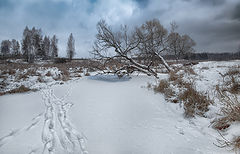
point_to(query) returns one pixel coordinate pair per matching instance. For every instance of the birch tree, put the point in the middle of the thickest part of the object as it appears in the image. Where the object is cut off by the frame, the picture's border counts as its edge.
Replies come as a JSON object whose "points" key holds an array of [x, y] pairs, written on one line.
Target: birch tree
{"points": [[53, 47], [5, 47], [46, 47], [70, 47], [15, 47]]}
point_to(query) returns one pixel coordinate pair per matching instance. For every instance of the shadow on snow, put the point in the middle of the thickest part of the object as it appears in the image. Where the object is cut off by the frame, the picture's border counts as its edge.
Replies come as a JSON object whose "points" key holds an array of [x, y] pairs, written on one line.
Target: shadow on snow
{"points": [[109, 78]]}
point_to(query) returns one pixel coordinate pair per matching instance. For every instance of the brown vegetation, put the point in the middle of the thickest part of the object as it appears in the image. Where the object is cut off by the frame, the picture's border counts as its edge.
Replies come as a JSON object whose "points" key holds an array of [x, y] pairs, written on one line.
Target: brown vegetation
{"points": [[189, 70], [231, 80], [195, 103], [48, 73], [163, 84], [20, 89], [227, 94], [230, 110], [87, 74]]}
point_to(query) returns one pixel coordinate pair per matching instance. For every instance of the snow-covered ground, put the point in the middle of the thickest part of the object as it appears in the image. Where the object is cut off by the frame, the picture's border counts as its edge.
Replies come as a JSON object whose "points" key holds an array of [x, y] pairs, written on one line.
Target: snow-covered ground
{"points": [[105, 115]]}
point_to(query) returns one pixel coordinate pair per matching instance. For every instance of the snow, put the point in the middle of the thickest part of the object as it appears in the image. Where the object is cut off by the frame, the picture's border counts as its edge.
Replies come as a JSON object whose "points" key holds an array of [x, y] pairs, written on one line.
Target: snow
{"points": [[110, 116], [207, 79]]}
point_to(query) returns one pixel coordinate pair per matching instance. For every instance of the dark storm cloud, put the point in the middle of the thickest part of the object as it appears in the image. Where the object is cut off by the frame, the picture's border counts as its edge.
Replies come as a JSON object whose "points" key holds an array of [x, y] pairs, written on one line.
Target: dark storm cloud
{"points": [[213, 24], [213, 2], [236, 12]]}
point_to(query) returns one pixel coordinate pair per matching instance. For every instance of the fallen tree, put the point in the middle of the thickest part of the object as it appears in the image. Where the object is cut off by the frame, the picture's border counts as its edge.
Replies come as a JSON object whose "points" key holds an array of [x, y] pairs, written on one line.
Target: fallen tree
{"points": [[123, 52]]}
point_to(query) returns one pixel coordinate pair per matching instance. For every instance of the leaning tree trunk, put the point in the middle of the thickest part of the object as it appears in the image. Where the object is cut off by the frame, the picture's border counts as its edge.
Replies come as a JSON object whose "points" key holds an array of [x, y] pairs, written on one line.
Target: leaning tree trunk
{"points": [[164, 63]]}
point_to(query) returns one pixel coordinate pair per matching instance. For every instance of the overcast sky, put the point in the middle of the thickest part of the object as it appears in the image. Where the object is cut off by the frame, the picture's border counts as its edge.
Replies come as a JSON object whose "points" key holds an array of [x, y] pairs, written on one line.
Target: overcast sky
{"points": [[213, 24]]}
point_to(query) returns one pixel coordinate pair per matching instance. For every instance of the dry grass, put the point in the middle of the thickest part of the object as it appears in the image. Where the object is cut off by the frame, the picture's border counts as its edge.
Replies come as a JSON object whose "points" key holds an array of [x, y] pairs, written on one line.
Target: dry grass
{"points": [[87, 74], [230, 112], [163, 84], [189, 70], [234, 75], [40, 79], [195, 103], [233, 71], [77, 75], [65, 74], [234, 143], [8, 71], [48, 73], [173, 76], [235, 87], [32, 71], [22, 72], [227, 94], [3, 84], [23, 76], [11, 71], [78, 70], [164, 87], [231, 80], [21, 89]]}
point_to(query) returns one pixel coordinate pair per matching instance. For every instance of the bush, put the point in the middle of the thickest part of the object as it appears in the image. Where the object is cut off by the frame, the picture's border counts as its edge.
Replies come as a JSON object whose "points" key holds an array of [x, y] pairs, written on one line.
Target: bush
{"points": [[231, 80], [163, 84], [195, 103], [40, 79], [60, 60], [189, 70], [234, 143], [23, 76], [173, 76], [164, 87], [230, 112], [48, 73], [87, 74], [20, 89], [32, 71]]}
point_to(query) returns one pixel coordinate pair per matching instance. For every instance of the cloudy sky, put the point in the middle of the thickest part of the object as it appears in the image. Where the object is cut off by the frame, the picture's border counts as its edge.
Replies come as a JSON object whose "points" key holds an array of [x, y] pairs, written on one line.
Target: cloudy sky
{"points": [[213, 24]]}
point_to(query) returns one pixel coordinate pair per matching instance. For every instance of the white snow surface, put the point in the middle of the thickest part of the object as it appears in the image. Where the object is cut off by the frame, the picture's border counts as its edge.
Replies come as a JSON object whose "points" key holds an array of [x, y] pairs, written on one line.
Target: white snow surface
{"points": [[106, 115]]}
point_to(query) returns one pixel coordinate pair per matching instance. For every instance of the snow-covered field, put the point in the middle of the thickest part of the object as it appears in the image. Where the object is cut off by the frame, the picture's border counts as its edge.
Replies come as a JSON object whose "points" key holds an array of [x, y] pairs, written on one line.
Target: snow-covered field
{"points": [[106, 115]]}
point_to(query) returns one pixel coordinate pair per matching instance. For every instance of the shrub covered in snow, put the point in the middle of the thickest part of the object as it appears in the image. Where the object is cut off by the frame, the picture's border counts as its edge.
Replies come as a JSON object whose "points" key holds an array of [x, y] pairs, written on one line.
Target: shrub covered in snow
{"points": [[195, 103]]}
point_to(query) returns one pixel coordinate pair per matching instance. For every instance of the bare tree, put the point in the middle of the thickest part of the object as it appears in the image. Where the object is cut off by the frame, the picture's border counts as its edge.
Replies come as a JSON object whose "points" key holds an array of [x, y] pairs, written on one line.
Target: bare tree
{"points": [[140, 49], [31, 43], [5, 47], [15, 47], [70, 47], [238, 52], [179, 45], [26, 43], [153, 43], [46, 47], [174, 40], [53, 47], [118, 48]]}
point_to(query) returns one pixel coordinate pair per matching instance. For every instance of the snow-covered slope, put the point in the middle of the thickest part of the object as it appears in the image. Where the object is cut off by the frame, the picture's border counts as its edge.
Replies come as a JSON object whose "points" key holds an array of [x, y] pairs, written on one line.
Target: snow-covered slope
{"points": [[108, 115]]}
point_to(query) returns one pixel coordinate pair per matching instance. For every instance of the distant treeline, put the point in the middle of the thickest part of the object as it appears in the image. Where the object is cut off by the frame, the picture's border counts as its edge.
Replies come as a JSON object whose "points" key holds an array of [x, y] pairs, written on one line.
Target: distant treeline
{"points": [[35, 46], [207, 56]]}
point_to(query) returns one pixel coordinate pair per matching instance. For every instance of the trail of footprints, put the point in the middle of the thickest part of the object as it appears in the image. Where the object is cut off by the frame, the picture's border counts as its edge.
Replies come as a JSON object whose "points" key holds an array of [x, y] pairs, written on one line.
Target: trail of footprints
{"points": [[14, 133], [57, 128]]}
